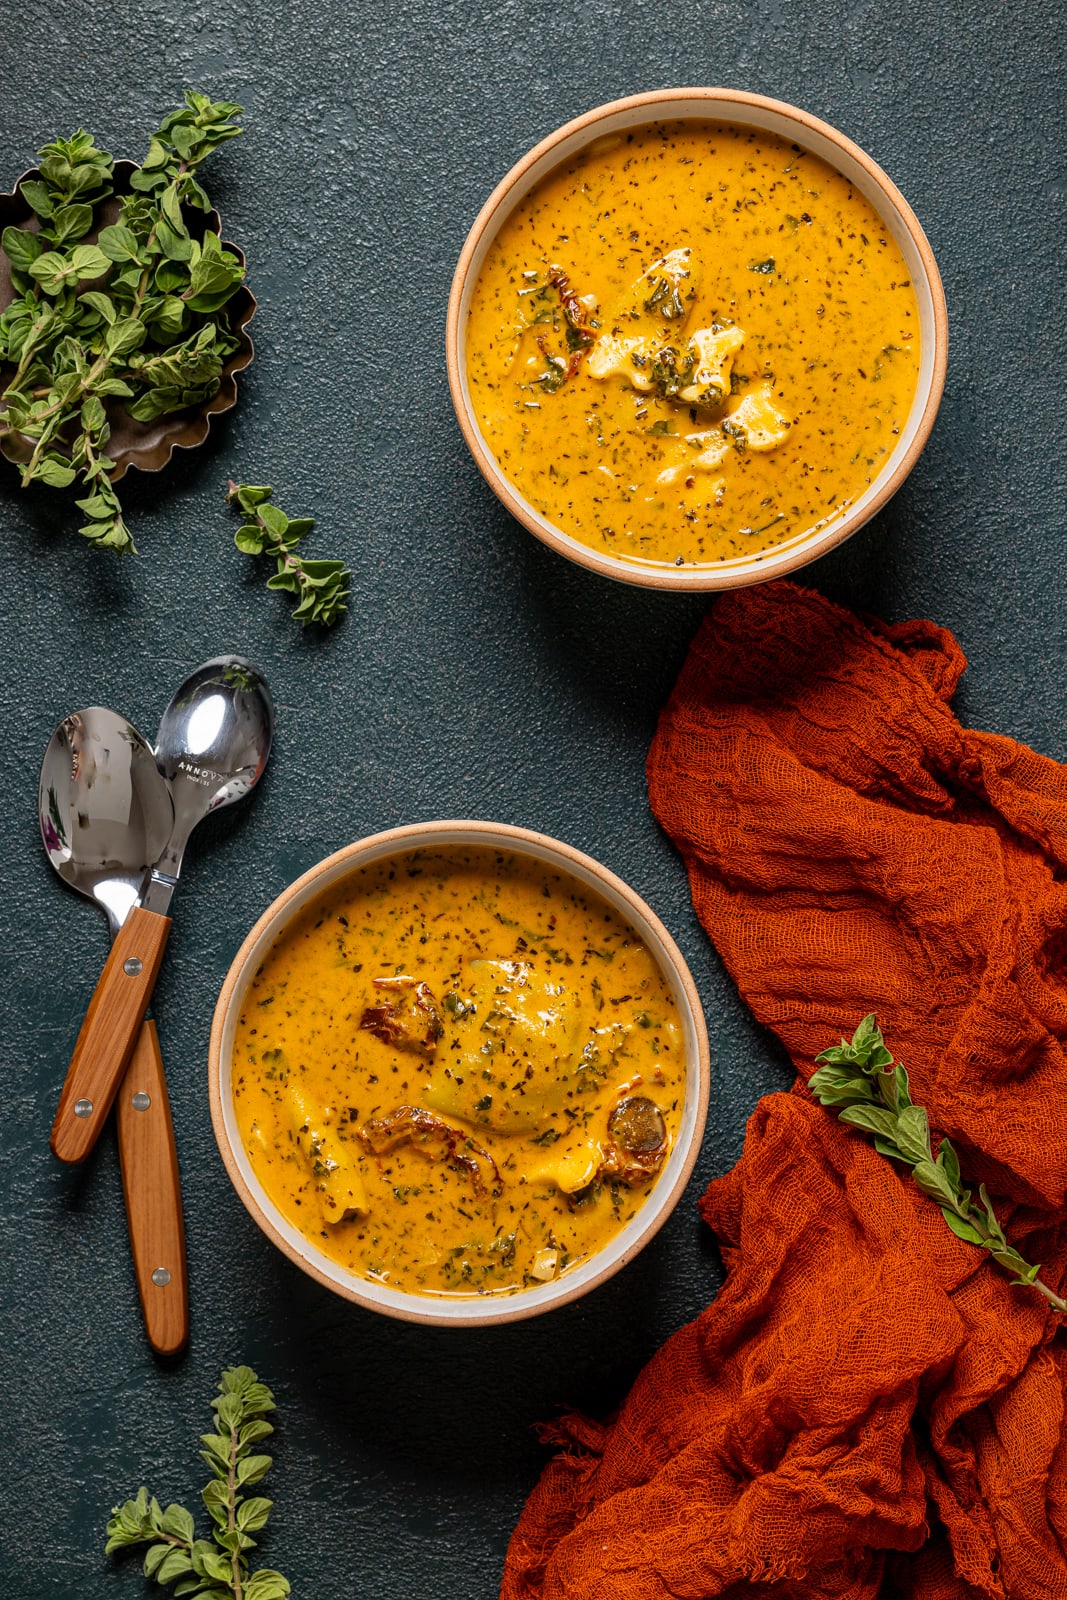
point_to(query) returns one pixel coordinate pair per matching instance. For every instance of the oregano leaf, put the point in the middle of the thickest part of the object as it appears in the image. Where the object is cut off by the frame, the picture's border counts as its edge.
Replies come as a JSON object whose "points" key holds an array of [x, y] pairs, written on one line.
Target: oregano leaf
{"points": [[252, 1514], [321, 585], [71, 222], [252, 1468], [251, 539], [119, 243], [961, 1227], [21, 247], [948, 1159], [88, 261], [873, 1119], [124, 336], [54, 472], [36, 196], [913, 1133], [267, 1586], [101, 303]]}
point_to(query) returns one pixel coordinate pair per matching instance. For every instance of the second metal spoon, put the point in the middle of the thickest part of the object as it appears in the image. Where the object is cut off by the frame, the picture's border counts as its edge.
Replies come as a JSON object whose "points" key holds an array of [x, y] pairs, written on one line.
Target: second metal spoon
{"points": [[105, 816], [147, 1148]]}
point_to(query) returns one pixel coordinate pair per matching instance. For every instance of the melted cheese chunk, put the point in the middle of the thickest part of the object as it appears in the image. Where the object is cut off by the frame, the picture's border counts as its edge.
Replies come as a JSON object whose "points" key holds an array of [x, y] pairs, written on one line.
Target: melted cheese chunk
{"points": [[650, 314], [334, 1161], [644, 344], [714, 351], [570, 1165], [711, 447], [759, 420], [613, 357]]}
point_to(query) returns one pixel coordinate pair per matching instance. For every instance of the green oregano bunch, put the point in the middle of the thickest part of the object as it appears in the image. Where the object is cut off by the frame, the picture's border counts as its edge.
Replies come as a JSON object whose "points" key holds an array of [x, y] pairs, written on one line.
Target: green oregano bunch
{"points": [[872, 1093], [322, 586], [216, 1568], [130, 317]]}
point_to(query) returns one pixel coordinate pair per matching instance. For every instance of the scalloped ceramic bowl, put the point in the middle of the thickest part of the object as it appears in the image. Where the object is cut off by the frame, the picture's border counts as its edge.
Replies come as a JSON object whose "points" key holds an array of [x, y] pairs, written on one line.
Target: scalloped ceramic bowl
{"points": [[148, 446], [461, 1310], [773, 116]]}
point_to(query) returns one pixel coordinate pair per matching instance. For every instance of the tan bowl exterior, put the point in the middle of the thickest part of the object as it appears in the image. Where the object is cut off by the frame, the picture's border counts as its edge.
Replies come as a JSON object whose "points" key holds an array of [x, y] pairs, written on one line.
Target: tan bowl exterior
{"points": [[774, 116], [461, 1311]]}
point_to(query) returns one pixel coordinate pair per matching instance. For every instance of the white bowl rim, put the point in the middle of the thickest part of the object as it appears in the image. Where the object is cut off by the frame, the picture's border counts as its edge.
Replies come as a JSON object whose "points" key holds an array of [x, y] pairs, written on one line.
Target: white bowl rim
{"points": [[461, 1311], [834, 147]]}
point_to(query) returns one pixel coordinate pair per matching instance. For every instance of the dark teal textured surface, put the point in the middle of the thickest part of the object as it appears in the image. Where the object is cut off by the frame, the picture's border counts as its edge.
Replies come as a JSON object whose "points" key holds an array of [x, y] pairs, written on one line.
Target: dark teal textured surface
{"points": [[477, 674]]}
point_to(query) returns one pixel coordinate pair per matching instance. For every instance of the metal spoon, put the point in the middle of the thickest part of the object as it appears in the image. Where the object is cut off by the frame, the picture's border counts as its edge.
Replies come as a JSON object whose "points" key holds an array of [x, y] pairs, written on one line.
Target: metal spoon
{"points": [[106, 815], [212, 746], [146, 1147], [146, 1132]]}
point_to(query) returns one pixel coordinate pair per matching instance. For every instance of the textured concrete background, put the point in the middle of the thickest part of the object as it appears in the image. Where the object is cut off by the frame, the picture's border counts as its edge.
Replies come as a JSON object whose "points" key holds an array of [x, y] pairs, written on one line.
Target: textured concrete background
{"points": [[476, 674]]}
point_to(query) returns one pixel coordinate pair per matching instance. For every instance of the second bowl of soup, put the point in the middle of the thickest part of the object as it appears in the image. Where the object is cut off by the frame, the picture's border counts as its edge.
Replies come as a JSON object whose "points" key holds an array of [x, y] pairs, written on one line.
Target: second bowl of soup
{"points": [[696, 339], [459, 1072]]}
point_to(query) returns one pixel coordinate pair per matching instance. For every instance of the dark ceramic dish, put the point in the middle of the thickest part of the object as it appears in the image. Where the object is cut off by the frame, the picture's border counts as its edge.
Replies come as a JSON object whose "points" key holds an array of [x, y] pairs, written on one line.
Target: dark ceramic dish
{"points": [[147, 445]]}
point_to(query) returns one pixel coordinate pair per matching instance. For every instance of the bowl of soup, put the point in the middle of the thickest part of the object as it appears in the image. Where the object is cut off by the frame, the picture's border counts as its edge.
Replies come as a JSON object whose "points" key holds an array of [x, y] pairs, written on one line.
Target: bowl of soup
{"points": [[696, 339], [459, 1073]]}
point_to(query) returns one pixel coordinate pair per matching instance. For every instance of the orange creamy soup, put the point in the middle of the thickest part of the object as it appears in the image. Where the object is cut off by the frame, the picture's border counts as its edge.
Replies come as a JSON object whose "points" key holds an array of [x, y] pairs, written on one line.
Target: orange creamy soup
{"points": [[458, 1073], [692, 343]]}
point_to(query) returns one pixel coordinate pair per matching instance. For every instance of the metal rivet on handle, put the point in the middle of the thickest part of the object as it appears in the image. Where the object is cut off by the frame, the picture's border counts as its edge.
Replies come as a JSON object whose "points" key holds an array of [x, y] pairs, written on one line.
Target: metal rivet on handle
{"points": [[161, 1277], [132, 967], [141, 1101], [83, 1108]]}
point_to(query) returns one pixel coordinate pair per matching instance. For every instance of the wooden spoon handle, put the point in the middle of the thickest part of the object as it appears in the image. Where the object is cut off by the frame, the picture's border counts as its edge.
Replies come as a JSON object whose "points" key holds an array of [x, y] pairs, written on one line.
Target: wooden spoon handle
{"points": [[109, 1033], [153, 1193]]}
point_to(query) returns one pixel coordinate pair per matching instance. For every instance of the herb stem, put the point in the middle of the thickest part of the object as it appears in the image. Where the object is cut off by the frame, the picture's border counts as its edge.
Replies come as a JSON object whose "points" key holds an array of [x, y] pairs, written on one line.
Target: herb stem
{"points": [[275, 544], [174, 1553], [1057, 1302], [146, 275], [231, 1496], [320, 585], [43, 441], [65, 404]]}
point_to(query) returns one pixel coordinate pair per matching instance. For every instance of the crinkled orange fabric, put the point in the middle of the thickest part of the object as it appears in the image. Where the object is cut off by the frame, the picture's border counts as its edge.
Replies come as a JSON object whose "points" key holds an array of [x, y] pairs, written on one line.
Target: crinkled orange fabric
{"points": [[868, 1408]]}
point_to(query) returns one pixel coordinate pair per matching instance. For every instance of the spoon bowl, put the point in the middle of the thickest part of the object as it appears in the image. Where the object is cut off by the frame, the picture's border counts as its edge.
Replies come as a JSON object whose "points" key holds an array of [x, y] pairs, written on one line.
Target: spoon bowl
{"points": [[105, 810], [213, 743]]}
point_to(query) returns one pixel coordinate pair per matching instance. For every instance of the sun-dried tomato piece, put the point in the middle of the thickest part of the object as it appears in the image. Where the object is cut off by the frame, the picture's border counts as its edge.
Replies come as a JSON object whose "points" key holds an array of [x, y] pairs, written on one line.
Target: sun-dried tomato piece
{"points": [[412, 1021], [577, 317], [638, 1141], [437, 1139]]}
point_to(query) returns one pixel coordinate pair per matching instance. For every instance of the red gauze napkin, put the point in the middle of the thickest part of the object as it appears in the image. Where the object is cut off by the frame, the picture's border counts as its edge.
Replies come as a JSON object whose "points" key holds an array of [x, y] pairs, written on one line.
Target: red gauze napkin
{"points": [[868, 1407]]}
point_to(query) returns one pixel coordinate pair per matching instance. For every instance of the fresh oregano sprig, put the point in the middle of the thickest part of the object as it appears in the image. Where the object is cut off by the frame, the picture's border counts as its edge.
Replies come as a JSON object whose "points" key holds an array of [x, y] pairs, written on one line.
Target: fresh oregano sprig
{"points": [[870, 1091], [216, 1568], [130, 317], [322, 586]]}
